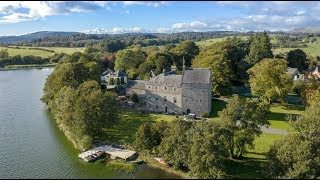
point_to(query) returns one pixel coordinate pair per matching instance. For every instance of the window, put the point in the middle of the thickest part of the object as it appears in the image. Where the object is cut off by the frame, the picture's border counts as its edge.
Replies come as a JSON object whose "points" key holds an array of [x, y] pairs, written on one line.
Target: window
{"points": [[156, 87], [174, 88], [156, 106], [165, 98], [156, 99], [165, 88], [200, 100], [174, 100]]}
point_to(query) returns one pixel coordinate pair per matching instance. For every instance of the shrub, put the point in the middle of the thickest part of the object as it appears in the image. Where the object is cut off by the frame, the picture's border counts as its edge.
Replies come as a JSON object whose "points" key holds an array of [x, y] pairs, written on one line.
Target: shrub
{"points": [[110, 81], [204, 114], [134, 97]]}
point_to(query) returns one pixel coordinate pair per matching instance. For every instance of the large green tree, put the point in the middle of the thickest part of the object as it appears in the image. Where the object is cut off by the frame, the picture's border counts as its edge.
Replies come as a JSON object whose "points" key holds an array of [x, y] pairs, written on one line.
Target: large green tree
{"points": [[185, 49], [129, 60], [216, 58], [66, 74], [269, 79], [297, 59], [207, 150], [4, 53], [260, 48], [242, 118]]}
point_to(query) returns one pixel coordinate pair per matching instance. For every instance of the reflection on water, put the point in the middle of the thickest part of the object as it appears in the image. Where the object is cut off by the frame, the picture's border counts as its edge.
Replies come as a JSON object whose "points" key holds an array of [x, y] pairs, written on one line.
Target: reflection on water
{"points": [[32, 146]]}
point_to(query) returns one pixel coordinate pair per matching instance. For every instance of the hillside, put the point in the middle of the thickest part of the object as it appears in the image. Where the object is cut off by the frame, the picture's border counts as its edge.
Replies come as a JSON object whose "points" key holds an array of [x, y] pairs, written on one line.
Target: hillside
{"points": [[40, 34]]}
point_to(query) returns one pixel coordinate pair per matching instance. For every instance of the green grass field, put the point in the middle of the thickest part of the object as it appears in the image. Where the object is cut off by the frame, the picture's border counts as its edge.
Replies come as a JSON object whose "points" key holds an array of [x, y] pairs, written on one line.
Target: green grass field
{"points": [[277, 117], [312, 49], [41, 53], [129, 121]]}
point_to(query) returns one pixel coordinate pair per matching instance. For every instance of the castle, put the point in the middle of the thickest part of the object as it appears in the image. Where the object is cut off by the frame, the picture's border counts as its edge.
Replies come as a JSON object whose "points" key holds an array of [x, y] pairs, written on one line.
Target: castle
{"points": [[171, 93]]}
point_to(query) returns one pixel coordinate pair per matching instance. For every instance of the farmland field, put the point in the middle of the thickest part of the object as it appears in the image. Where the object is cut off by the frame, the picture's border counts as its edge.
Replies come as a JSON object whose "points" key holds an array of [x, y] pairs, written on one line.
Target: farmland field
{"points": [[35, 52]]}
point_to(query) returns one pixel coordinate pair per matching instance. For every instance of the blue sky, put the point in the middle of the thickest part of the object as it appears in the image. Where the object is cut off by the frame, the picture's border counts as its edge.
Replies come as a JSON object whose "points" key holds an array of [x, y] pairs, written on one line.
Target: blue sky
{"points": [[21, 17]]}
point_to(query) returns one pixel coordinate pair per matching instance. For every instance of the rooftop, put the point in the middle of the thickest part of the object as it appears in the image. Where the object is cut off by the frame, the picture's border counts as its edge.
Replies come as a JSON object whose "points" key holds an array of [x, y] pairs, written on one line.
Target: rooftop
{"points": [[196, 75]]}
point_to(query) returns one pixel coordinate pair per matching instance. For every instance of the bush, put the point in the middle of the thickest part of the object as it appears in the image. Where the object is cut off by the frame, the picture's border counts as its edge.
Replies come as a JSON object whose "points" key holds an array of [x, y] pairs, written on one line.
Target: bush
{"points": [[204, 114], [134, 97], [117, 81], [110, 81]]}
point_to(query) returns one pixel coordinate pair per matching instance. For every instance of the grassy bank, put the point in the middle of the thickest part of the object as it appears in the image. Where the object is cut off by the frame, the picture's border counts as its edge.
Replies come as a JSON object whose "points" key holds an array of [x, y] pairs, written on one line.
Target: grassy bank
{"points": [[122, 166], [27, 66]]}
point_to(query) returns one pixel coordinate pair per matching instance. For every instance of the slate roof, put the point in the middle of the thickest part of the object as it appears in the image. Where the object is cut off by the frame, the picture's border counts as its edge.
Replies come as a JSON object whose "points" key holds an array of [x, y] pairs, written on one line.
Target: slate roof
{"points": [[196, 75], [118, 73], [136, 84], [167, 78], [314, 68], [291, 70]]}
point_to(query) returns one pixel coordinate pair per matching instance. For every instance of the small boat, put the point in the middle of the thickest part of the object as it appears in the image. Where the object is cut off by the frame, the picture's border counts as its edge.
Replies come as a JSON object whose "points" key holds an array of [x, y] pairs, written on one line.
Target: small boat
{"points": [[94, 156]]}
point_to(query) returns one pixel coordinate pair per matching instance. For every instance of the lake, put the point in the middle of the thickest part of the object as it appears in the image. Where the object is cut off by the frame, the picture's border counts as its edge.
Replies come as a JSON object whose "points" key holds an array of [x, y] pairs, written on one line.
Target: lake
{"points": [[32, 146]]}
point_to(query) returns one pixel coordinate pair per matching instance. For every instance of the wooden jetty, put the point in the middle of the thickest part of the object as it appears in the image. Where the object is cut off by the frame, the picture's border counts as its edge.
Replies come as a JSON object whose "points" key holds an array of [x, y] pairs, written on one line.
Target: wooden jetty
{"points": [[114, 152]]}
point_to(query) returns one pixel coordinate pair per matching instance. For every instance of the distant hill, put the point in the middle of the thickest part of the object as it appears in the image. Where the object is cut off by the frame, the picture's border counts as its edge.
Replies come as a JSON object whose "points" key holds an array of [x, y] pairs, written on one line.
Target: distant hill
{"points": [[306, 30], [40, 34]]}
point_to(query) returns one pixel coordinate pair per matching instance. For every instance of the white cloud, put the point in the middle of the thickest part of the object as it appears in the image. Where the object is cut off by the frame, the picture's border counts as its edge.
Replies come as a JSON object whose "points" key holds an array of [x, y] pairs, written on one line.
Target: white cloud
{"points": [[116, 30], [41, 9], [10, 11], [147, 3]]}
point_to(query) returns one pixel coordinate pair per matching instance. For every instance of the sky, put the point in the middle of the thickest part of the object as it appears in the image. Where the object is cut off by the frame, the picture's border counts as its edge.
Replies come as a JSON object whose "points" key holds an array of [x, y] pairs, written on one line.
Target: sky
{"points": [[114, 17]]}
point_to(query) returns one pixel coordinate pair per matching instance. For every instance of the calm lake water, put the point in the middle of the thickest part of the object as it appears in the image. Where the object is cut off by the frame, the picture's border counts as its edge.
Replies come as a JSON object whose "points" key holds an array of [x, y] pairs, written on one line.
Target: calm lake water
{"points": [[31, 145]]}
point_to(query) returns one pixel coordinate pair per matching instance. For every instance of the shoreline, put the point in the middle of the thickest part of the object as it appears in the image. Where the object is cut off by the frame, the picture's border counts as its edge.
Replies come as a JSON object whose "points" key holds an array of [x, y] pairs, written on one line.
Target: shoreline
{"points": [[27, 66], [152, 163]]}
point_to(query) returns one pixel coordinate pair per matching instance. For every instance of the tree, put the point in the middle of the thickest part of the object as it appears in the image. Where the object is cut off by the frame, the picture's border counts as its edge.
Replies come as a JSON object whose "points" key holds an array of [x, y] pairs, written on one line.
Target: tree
{"points": [[215, 57], [297, 59], [297, 154], [4, 53], [269, 79], [175, 147], [207, 151], [82, 113], [298, 86], [260, 48], [242, 119], [117, 81], [66, 74], [110, 81], [187, 50], [128, 59], [310, 93], [143, 139]]}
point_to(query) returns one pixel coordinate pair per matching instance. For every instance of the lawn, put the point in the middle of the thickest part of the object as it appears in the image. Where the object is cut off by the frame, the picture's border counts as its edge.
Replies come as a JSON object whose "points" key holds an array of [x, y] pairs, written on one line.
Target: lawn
{"points": [[278, 114], [277, 117], [26, 52], [253, 164], [124, 130]]}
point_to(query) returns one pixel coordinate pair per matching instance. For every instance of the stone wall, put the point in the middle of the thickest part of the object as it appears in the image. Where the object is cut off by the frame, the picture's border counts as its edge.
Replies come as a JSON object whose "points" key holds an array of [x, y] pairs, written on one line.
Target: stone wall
{"points": [[197, 98]]}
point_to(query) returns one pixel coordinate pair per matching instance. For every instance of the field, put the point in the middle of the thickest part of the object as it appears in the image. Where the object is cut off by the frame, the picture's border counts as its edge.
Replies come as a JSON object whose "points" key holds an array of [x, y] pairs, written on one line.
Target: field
{"points": [[25, 52], [312, 49]]}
